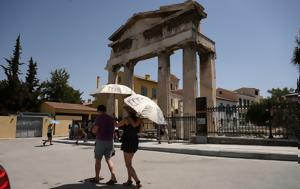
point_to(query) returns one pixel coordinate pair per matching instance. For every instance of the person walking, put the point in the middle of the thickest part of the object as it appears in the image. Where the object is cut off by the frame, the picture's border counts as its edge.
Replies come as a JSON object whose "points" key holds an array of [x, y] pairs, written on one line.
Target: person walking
{"points": [[81, 135], [49, 135], [103, 127], [163, 133], [131, 126]]}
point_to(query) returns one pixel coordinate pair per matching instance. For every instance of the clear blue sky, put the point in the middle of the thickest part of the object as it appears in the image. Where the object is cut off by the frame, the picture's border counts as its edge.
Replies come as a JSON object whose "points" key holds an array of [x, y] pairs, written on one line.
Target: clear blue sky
{"points": [[254, 38]]}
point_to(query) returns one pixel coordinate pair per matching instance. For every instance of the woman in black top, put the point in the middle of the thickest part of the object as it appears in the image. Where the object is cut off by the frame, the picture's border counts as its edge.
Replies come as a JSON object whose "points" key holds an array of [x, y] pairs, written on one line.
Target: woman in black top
{"points": [[131, 127]]}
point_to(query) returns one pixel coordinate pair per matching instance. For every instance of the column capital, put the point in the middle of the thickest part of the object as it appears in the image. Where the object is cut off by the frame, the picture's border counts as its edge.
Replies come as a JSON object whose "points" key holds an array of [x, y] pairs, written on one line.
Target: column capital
{"points": [[165, 52], [191, 44], [113, 68], [130, 64], [207, 54]]}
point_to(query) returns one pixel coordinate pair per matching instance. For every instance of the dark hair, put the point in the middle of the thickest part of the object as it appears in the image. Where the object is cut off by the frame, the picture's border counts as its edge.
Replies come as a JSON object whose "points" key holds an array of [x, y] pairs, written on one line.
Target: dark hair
{"points": [[133, 116], [131, 113], [101, 108]]}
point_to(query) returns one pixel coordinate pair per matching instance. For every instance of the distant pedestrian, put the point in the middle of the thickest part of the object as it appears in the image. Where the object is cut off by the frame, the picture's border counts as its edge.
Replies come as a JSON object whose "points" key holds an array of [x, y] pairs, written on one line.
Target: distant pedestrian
{"points": [[81, 135], [76, 127], [163, 133], [103, 127], [131, 126], [49, 135], [90, 134]]}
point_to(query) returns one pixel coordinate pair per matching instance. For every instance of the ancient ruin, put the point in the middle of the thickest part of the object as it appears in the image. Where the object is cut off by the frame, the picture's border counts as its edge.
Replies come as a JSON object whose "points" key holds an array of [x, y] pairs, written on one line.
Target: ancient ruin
{"points": [[158, 34]]}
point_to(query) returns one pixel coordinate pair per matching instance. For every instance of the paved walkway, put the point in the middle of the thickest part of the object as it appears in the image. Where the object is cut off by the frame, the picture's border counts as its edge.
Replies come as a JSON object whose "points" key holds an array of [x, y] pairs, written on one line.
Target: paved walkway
{"points": [[217, 150]]}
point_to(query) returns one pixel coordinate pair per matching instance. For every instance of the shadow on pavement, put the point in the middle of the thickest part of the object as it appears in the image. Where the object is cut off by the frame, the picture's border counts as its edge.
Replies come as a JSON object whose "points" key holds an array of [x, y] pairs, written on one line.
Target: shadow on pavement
{"points": [[41, 145], [87, 148], [86, 185]]}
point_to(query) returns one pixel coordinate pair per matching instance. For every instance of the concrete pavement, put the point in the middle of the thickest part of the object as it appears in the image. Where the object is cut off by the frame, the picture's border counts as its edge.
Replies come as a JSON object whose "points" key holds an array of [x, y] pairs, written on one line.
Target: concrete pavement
{"points": [[216, 150], [65, 166]]}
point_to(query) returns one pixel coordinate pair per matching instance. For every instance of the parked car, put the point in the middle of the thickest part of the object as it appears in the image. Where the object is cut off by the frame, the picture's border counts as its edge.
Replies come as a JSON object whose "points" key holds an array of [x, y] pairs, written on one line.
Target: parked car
{"points": [[4, 181]]}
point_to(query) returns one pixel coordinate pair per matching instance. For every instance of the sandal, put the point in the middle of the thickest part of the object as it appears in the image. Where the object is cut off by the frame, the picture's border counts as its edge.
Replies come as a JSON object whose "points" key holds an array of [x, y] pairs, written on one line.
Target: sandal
{"points": [[111, 182], [94, 180], [128, 183], [138, 184]]}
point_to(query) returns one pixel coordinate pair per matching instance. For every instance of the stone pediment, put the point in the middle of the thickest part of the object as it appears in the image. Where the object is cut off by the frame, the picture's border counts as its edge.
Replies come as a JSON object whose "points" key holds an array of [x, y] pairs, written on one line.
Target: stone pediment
{"points": [[145, 20]]}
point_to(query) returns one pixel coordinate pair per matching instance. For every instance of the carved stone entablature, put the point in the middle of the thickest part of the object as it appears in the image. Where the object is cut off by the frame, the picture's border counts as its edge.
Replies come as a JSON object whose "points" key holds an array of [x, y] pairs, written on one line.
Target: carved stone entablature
{"points": [[154, 32], [174, 23], [122, 46]]}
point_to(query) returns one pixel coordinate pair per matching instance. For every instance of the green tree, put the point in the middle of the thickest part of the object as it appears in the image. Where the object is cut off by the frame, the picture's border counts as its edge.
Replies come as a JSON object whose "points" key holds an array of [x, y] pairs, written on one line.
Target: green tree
{"points": [[31, 81], [277, 93], [296, 60], [296, 53], [258, 113], [57, 89], [31, 88], [12, 97]]}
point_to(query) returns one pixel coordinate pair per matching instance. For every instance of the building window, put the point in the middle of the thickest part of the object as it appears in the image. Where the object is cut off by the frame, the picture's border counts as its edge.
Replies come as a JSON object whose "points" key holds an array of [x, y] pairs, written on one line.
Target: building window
{"points": [[240, 102], [143, 90], [248, 102], [154, 93], [171, 102], [171, 86], [245, 102], [256, 92], [220, 92]]}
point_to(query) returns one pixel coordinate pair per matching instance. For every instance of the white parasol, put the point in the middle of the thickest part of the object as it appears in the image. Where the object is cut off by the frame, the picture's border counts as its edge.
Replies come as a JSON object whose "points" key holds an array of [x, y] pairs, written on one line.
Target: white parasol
{"points": [[54, 122], [114, 89], [146, 108]]}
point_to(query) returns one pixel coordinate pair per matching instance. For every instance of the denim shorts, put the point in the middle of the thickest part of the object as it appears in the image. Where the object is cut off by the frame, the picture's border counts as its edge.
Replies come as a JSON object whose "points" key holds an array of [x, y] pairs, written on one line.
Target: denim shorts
{"points": [[103, 148]]}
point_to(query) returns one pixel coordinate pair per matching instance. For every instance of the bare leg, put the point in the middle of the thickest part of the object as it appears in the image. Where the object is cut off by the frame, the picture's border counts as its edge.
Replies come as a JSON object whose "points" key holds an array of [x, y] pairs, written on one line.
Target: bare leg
{"points": [[111, 169], [97, 169], [50, 139], [128, 161], [46, 141], [129, 176]]}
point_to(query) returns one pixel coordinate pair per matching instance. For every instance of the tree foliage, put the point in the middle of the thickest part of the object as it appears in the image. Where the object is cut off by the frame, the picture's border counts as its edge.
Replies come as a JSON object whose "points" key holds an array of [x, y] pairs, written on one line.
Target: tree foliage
{"points": [[31, 88], [296, 53], [16, 95], [31, 82], [277, 93], [259, 113], [11, 88], [57, 89]]}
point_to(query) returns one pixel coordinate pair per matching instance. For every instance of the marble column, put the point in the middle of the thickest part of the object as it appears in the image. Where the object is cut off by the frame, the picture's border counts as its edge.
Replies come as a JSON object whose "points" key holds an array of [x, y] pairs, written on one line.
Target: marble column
{"points": [[128, 74], [163, 80], [208, 78], [110, 106], [128, 81], [164, 86], [190, 88], [208, 85]]}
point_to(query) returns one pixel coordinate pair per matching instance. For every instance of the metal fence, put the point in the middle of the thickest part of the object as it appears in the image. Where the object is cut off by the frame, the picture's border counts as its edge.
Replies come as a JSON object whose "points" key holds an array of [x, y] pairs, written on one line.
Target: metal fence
{"points": [[282, 121], [176, 128], [232, 122]]}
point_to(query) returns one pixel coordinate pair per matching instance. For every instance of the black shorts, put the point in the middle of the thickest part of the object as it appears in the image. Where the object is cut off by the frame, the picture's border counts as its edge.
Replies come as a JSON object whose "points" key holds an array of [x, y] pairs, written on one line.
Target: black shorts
{"points": [[130, 146], [49, 135]]}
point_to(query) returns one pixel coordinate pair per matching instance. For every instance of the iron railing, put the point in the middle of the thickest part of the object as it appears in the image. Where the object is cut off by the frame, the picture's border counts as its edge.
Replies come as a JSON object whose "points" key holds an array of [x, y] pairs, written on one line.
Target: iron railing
{"points": [[282, 121], [232, 122]]}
